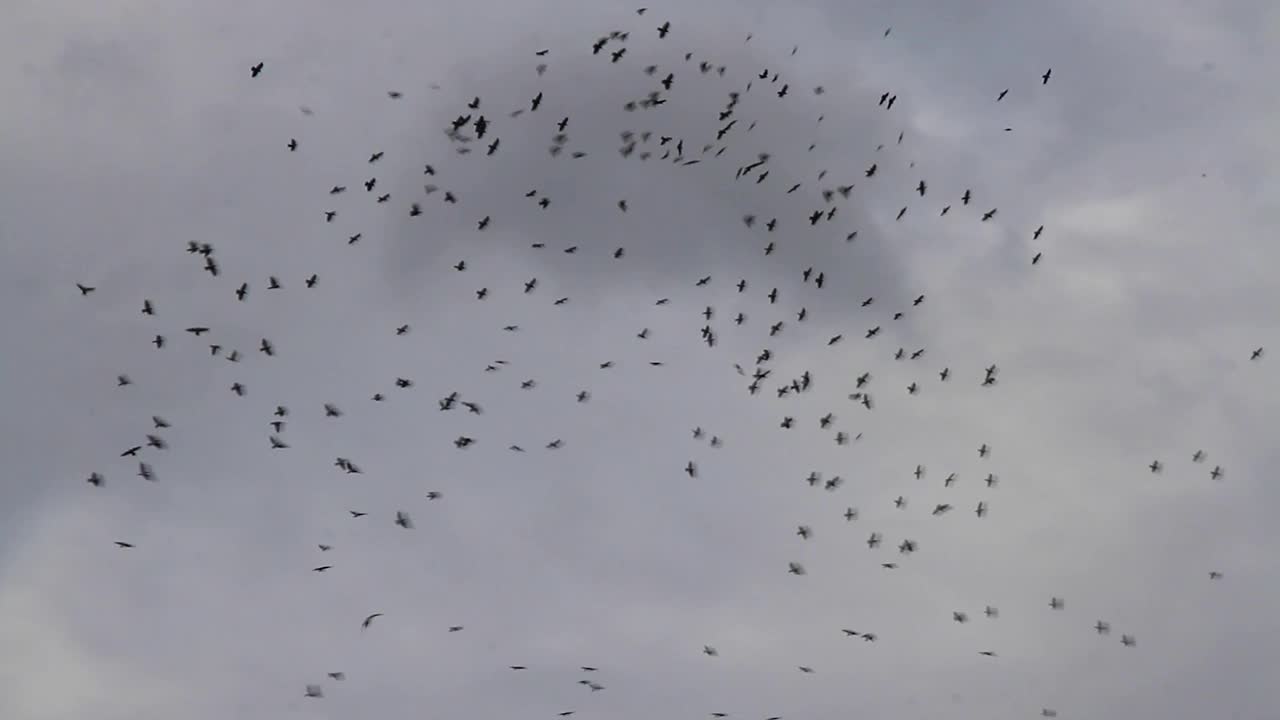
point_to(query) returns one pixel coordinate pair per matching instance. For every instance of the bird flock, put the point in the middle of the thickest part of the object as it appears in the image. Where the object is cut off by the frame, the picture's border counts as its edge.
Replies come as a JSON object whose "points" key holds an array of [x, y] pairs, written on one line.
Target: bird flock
{"points": [[482, 129]]}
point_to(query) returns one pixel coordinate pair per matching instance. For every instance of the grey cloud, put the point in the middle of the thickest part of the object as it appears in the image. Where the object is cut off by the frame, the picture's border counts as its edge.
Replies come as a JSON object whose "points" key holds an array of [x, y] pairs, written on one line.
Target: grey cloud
{"points": [[695, 226], [1129, 342]]}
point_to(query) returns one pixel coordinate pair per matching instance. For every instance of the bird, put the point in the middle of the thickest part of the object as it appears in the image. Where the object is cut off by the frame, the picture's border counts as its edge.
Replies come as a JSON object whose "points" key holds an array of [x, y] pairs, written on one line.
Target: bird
{"points": [[369, 620], [255, 70]]}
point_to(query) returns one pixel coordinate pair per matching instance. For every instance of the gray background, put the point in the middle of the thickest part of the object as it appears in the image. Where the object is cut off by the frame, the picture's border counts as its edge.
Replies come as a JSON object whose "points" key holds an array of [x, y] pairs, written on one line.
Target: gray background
{"points": [[132, 127]]}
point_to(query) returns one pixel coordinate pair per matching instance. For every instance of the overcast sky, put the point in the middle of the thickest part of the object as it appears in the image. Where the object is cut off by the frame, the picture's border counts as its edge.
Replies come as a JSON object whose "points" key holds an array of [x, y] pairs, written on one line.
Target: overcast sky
{"points": [[133, 127]]}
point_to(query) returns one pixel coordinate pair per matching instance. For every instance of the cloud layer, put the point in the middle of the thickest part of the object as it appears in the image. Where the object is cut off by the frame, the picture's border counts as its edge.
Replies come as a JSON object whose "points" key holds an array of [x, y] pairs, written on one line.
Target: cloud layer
{"points": [[1148, 159]]}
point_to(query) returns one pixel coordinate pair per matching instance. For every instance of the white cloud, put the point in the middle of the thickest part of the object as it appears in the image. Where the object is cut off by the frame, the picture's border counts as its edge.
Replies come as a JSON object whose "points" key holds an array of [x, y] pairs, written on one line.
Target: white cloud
{"points": [[51, 667]]}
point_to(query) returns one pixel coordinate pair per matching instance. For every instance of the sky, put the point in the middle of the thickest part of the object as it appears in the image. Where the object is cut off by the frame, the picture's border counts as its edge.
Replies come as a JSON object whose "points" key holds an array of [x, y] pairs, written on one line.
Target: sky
{"points": [[133, 127]]}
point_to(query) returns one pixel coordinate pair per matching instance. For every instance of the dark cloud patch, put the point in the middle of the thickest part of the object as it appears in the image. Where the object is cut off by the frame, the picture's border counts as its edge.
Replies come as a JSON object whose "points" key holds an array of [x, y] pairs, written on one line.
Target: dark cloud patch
{"points": [[682, 221]]}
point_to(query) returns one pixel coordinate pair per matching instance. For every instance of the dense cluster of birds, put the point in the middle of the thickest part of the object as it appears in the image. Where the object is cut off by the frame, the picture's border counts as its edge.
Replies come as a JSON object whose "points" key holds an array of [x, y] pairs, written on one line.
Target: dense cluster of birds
{"points": [[475, 130]]}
